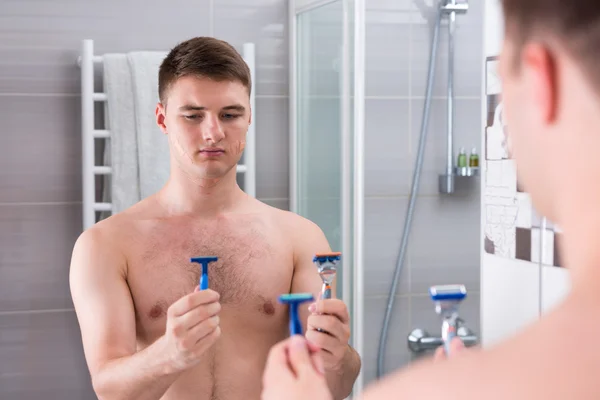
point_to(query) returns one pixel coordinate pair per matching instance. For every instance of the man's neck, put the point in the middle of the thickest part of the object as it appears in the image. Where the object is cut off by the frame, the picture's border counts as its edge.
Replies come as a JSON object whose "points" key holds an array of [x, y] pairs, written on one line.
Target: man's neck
{"points": [[581, 231], [203, 197]]}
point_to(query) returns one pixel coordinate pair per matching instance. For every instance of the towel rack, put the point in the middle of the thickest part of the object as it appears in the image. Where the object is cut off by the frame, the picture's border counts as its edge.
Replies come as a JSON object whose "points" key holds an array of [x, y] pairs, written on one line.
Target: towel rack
{"points": [[87, 61]]}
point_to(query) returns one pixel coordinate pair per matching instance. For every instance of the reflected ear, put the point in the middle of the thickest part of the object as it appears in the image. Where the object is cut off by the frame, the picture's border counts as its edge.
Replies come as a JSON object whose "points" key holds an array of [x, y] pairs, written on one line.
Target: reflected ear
{"points": [[161, 115], [541, 80]]}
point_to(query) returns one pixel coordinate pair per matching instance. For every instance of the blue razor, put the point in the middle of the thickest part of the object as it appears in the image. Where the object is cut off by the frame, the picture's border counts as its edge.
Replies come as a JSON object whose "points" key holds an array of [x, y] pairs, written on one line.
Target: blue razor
{"points": [[204, 276], [294, 300], [447, 298]]}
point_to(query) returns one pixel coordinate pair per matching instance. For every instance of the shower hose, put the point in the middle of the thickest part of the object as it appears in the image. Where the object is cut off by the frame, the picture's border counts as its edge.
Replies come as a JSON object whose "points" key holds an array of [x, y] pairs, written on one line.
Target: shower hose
{"points": [[412, 198]]}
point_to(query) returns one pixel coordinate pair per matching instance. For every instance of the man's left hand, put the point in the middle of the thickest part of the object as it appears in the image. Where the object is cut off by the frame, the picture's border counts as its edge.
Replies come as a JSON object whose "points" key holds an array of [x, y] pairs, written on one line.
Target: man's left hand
{"points": [[331, 317]]}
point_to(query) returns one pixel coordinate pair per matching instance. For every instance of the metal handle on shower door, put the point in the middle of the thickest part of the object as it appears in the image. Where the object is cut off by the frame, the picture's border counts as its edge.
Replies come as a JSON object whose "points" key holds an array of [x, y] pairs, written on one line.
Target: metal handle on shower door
{"points": [[419, 340]]}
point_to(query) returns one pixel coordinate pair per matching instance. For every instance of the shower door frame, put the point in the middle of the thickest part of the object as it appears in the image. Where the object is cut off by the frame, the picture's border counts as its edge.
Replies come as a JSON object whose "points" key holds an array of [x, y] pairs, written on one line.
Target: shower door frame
{"points": [[352, 187]]}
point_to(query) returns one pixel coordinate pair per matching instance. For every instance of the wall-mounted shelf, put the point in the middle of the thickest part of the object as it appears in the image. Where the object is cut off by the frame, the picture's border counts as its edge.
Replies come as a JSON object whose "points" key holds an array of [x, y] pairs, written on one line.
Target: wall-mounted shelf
{"points": [[466, 171]]}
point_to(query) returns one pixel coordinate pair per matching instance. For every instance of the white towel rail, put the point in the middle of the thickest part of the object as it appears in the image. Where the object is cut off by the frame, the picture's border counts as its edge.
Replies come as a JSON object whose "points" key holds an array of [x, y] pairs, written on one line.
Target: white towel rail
{"points": [[89, 133], [249, 167]]}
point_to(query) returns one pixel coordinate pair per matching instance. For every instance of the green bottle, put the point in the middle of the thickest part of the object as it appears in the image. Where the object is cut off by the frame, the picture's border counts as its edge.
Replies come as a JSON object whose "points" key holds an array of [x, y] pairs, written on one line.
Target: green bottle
{"points": [[462, 158]]}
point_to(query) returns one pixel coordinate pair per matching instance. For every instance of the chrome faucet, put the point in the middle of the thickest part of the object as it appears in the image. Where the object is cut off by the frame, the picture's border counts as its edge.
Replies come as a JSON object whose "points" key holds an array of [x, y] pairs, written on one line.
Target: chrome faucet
{"points": [[447, 299], [419, 340]]}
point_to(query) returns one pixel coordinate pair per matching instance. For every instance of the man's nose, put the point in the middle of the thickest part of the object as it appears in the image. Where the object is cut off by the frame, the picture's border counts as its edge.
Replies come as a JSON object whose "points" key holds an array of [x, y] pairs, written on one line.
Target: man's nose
{"points": [[212, 131]]}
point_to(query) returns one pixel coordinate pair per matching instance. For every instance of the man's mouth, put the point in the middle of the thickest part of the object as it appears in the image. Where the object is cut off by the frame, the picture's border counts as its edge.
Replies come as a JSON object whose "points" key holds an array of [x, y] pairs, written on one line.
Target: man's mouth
{"points": [[212, 151]]}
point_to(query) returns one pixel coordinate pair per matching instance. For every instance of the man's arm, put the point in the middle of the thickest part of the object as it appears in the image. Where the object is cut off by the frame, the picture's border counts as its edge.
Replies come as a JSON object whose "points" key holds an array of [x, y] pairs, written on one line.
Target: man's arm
{"points": [[537, 363], [343, 363], [106, 318]]}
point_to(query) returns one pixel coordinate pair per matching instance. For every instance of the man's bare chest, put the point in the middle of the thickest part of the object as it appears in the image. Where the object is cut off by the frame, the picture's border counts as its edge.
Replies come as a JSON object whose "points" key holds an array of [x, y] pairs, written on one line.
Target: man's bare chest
{"points": [[254, 266]]}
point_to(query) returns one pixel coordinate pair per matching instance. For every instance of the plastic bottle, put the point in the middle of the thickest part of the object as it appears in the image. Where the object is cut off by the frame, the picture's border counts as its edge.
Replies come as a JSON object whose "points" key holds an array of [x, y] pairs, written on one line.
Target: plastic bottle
{"points": [[462, 158], [474, 159]]}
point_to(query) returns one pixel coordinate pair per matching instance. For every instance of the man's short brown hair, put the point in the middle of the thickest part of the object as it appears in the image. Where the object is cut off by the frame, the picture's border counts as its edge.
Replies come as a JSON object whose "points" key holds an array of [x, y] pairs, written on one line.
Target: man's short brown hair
{"points": [[573, 23], [205, 57]]}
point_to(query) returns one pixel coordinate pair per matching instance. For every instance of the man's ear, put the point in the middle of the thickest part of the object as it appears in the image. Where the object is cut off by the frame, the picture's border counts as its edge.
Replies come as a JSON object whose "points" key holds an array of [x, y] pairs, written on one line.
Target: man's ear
{"points": [[161, 115], [542, 82]]}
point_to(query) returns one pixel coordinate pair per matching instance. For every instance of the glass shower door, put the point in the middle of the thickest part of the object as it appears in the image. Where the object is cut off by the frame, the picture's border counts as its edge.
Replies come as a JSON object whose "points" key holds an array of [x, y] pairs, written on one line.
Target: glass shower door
{"points": [[322, 177]]}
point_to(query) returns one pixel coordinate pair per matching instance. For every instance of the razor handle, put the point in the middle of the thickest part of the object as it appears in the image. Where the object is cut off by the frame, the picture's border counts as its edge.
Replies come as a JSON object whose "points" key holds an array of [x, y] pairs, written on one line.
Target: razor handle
{"points": [[326, 292], [295, 324], [448, 333], [204, 281]]}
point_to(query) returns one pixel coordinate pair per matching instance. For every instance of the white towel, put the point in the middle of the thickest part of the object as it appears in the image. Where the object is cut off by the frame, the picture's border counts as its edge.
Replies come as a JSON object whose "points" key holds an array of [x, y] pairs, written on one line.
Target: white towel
{"points": [[138, 151], [152, 143], [122, 148]]}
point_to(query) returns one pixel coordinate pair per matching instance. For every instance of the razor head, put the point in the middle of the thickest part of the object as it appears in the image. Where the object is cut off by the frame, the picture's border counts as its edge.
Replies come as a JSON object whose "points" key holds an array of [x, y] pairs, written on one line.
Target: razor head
{"points": [[327, 274], [327, 257], [204, 260], [326, 264], [295, 298], [448, 292]]}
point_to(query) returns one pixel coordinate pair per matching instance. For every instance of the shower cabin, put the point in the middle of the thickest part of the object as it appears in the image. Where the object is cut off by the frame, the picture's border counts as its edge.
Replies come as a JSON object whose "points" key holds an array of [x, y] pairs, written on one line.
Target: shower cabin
{"points": [[327, 142]]}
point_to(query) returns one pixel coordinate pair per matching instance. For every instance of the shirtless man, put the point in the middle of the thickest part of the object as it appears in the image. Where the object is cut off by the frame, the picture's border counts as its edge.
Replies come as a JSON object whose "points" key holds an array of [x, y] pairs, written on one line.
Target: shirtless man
{"points": [[551, 80], [148, 332]]}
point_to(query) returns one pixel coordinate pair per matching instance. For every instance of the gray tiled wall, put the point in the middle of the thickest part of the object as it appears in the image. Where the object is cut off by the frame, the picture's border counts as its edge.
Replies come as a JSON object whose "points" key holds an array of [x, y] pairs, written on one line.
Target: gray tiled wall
{"points": [[444, 241], [40, 162], [40, 188]]}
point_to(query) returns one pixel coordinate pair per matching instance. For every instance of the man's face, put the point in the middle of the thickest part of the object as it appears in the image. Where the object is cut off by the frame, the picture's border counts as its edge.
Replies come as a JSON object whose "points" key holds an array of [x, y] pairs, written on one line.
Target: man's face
{"points": [[528, 132], [206, 122]]}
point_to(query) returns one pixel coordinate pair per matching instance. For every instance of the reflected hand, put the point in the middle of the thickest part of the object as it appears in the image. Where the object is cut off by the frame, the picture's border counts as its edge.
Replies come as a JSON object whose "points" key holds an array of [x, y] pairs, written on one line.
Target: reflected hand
{"points": [[295, 371], [329, 329]]}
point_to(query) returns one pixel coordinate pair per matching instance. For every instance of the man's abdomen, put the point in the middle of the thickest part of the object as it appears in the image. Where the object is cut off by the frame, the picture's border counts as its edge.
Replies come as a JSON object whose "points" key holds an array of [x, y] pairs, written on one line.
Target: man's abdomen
{"points": [[232, 369]]}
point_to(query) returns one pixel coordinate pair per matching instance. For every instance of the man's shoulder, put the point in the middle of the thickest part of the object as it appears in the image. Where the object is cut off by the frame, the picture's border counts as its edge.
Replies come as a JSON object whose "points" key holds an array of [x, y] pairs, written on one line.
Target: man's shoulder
{"points": [[123, 222], [106, 235], [113, 224], [291, 221], [304, 235], [102, 235]]}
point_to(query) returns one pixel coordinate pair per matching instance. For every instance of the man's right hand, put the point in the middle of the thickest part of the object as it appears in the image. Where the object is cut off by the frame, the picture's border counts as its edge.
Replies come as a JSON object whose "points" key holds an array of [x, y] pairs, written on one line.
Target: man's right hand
{"points": [[106, 314], [295, 370], [192, 327], [456, 347]]}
